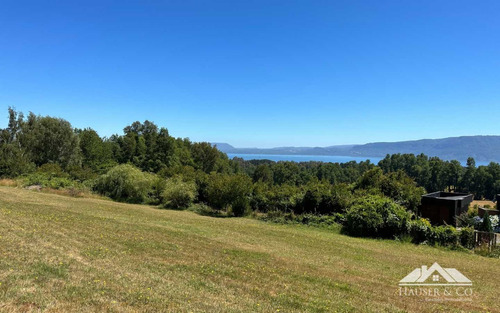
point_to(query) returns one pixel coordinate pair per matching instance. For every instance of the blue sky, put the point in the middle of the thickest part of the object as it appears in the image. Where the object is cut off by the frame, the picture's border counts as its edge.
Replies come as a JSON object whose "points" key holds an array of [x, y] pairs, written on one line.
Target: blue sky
{"points": [[257, 73]]}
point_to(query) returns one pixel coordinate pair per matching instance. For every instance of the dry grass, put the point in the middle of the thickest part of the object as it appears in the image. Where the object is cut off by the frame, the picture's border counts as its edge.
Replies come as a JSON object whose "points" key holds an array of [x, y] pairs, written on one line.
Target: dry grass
{"points": [[8, 182], [73, 192], [482, 203], [63, 254]]}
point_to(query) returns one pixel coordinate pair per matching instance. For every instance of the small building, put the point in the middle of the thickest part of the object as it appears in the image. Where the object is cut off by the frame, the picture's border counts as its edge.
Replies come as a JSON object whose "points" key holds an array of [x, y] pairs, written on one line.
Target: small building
{"points": [[442, 207], [490, 211], [482, 211]]}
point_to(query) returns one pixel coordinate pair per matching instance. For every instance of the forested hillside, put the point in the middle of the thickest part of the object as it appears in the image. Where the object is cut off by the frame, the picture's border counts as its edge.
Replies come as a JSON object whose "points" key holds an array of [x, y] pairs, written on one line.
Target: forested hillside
{"points": [[481, 148]]}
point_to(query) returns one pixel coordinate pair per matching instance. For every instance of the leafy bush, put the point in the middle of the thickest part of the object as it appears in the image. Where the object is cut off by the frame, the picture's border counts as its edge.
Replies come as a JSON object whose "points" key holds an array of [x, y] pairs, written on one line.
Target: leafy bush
{"points": [[444, 236], [125, 183], [13, 160], [285, 198], [419, 230], [340, 200], [47, 181], [376, 216], [467, 237], [229, 192], [178, 194], [467, 220], [314, 199], [422, 231], [49, 175]]}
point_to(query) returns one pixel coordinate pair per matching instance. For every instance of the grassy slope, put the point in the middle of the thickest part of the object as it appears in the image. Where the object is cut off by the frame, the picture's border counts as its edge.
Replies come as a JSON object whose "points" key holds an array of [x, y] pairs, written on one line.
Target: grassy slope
{"points": [[63, 254]]}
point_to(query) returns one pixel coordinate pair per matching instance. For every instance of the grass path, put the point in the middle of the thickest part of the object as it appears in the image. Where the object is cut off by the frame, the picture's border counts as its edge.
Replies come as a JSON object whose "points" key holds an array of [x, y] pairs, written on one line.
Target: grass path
{"points": [[61, 254]]}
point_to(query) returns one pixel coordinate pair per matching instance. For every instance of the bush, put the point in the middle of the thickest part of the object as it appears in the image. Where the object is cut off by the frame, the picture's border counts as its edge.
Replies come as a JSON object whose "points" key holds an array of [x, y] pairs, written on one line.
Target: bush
{"points": [[229, 192], [376, 216], [125, 183], [467, 237], [284, 198], [47, 181], [178, 194], [444, 236], [240, 206], [341, 199], [49, 176], [419, 230]]}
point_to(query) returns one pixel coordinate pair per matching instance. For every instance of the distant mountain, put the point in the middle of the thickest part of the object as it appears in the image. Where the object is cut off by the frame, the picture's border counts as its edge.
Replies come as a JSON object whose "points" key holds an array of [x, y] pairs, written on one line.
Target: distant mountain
{"points": [[481, 148], [224, 147]]}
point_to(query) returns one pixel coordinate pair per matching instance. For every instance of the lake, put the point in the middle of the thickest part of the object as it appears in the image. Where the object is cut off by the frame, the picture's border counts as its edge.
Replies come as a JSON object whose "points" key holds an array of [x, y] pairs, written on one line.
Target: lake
{"points": [[303, 158]]}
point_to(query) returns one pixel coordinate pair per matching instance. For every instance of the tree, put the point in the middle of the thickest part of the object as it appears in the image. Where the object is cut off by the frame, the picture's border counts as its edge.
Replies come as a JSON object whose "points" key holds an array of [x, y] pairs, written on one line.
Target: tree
{"points": [[263, 173], [229, 191], [467, 183], [453, 174], [96, 154], [14, 161], [50, 140], [205, 156], [178, 194], [486, 224]]}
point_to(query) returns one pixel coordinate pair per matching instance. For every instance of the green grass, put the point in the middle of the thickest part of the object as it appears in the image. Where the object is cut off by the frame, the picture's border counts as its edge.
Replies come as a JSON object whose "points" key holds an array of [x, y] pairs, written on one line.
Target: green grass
{"points": [[63, 254]]}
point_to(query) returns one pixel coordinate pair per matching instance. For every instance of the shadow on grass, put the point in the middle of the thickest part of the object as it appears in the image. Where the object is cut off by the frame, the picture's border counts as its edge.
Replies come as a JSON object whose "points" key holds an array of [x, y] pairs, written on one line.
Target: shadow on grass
{"points": [[200, 209], [205, 210]]}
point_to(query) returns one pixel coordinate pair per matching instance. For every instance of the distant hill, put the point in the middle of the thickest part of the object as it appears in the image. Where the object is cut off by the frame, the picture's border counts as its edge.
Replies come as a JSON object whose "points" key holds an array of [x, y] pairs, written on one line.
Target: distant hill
{"points": [[481, 148]]}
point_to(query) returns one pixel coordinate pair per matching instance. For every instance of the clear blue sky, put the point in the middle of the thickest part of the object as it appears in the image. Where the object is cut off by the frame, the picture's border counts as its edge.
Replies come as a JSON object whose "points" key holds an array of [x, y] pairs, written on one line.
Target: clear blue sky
{"points": [[257, 73]]}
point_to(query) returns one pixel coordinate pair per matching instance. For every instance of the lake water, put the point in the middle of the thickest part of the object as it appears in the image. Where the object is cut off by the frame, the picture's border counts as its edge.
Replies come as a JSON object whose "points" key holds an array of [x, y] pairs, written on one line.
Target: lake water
{"points": [[303, 158]]}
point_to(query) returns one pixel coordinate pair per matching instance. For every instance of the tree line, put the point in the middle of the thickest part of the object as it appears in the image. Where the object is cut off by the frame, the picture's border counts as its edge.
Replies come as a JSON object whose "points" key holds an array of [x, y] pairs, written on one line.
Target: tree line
{"points": [[138, 165], [435, 174], [145, 164]]}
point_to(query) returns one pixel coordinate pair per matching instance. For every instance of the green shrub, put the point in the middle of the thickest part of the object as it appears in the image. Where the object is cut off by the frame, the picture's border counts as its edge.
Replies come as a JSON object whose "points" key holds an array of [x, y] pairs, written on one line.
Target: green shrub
{"points": [[229, 192], [444, 236], [47, 181], [49, 175], [419, 230], [319, 220], [81, 174], [240, 206], [157, 187], [467, 237], [125, 183], [376, 216], [284, 198], [341, 199], [178, 194]]}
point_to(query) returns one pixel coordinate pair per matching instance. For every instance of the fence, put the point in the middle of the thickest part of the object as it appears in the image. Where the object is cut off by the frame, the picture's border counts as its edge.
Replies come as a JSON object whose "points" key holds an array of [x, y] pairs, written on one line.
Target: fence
{"points": [[485, 238]]}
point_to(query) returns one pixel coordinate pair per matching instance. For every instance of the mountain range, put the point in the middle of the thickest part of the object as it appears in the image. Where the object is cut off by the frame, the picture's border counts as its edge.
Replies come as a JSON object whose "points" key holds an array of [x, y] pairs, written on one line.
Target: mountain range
{"points": [[481, 148]]}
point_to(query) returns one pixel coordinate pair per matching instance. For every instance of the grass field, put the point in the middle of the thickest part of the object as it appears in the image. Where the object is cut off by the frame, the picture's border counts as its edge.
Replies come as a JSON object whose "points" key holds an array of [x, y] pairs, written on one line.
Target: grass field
{"points": [[63, 254]]}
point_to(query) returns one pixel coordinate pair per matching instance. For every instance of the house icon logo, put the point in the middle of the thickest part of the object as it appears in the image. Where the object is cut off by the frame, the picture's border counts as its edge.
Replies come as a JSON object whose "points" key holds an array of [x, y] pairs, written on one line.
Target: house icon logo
{"points": [[435, 276]]}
